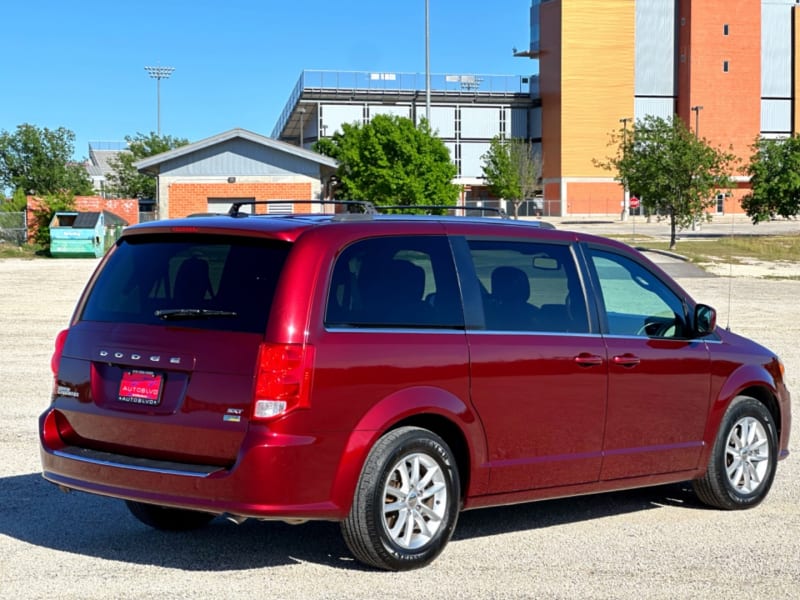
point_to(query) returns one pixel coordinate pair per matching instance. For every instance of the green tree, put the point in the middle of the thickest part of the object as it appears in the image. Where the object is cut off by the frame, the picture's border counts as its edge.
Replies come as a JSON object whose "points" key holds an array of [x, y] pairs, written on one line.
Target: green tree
{"points": [[512, 170], [39, 162], [17, 203], [125, 181], [774, 171], [389, 161], [44, 213], [675, 174]]}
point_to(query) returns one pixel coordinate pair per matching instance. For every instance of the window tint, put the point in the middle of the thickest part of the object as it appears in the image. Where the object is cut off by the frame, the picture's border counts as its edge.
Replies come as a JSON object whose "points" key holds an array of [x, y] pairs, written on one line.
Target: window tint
{"points": [[636, 301], [395, 282], [206, 282], [529, 287]]}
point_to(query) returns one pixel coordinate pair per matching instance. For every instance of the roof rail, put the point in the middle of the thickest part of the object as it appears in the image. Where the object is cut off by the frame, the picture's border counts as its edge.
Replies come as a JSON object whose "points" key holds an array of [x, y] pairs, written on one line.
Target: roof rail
{"points": [[437, 207], [354, 206]]}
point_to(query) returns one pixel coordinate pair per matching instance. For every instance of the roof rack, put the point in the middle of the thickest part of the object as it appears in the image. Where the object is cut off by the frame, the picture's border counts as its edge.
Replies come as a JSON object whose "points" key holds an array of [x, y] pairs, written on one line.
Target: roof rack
{"points": [[354, 206], [437, 207]]}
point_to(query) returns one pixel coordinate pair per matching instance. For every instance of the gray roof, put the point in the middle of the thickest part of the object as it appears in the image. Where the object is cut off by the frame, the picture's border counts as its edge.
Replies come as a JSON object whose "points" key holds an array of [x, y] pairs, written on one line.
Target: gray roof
{"points": [[152, 164], [98, 166]]}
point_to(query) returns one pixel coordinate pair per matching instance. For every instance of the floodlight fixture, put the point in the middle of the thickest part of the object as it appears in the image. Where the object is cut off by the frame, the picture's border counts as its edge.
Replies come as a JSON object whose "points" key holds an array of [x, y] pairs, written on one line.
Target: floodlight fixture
{"points": [[159, 73]]}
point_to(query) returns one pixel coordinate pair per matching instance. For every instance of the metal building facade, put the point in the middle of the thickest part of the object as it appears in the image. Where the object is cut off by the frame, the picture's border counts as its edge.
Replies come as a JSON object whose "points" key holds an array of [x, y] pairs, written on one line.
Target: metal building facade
{"points": [[776, 67], [467, 111], [655, 38]]}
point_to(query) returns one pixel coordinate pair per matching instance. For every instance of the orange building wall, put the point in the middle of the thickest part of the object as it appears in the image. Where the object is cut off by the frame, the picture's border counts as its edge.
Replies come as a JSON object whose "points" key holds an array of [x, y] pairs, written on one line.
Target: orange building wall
{"points": [[597, 82], [550, 92], [190, 198], [587, 86], [731, 113], [594, 198]]}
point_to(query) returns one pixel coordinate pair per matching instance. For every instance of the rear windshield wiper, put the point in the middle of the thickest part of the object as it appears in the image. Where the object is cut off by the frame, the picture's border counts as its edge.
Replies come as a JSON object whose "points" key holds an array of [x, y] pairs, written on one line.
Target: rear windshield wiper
{"points": [[177, 314]]}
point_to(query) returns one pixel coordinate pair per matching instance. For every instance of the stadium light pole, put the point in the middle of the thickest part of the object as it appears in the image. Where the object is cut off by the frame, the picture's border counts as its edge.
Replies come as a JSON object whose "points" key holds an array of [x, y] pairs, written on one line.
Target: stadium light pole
{"points": [[159, 73], [427, 63]]}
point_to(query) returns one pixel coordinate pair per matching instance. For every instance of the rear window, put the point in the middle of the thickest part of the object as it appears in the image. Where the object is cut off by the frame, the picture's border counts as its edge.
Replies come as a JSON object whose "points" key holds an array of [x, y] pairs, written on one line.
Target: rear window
{"points": [[198, 281]]}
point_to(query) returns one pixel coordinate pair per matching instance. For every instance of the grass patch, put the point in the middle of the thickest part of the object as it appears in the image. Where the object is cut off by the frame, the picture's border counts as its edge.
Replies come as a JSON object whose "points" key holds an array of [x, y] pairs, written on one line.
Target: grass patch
{"points": [[26, 251], [767, 248], [779, 278]]}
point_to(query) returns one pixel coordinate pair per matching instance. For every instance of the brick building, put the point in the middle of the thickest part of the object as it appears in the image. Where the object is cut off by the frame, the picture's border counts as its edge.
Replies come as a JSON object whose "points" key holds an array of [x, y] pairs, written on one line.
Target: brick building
{"points": [[211, 174], [727, 69]]}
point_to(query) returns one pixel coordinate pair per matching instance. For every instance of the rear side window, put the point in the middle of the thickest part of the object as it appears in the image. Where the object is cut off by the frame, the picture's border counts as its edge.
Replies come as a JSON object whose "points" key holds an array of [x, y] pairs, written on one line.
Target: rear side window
{"points": [[405, 282], [529, 286], [205, 282]]}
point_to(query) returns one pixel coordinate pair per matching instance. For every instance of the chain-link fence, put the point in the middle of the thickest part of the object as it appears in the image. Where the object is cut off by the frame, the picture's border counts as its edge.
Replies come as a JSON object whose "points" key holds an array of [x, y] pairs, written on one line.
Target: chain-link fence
{"points": [[13, 228]]}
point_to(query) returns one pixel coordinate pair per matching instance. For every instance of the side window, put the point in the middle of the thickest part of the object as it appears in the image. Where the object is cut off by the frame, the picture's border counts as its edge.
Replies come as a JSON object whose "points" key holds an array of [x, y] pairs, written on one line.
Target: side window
{"points": [[529, 287], [637, 303], [390, 282]]}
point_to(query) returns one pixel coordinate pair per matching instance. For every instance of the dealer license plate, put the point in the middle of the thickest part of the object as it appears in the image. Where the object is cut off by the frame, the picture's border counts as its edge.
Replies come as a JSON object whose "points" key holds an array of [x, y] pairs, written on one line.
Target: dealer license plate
{"points": [[140, 387]]}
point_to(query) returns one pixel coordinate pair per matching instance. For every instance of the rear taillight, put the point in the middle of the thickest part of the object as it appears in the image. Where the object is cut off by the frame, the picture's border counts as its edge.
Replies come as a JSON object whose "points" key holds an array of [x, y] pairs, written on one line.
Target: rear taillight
{"points": [[283, 379], [55, 360]]}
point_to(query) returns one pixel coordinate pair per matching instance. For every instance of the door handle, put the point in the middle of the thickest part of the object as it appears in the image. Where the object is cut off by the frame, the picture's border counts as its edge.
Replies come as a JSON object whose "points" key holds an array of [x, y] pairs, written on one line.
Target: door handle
{"points": [[626, 360], [584, 359]]}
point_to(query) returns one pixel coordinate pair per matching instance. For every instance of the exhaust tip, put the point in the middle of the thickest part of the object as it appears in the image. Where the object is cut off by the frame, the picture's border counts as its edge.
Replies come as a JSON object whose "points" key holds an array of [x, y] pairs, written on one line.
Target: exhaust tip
{"points": [[237, 519]]}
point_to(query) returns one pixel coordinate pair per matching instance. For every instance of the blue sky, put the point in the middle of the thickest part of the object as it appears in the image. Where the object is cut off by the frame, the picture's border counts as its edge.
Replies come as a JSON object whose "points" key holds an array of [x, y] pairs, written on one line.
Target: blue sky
{"points": [[80, 65]]}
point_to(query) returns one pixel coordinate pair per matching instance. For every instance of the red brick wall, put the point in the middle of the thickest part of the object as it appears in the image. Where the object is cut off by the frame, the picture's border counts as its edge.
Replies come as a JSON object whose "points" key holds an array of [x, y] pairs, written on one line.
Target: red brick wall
{"points": [[124, 208], [190, 198]]}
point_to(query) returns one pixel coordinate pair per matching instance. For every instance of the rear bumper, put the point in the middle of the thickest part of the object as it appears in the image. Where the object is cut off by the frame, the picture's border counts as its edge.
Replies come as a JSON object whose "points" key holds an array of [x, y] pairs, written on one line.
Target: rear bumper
{"points": [[277, 476]]}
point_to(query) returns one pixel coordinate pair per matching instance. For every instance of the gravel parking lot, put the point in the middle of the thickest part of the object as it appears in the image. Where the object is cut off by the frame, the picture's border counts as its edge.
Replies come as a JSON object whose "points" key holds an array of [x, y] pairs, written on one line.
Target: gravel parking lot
{"points": [[656, 543]]}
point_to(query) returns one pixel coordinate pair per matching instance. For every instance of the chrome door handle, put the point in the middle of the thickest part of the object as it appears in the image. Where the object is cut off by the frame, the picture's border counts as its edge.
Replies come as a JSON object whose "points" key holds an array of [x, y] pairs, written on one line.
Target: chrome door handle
{"points": [[626, 360], [588, 360]]}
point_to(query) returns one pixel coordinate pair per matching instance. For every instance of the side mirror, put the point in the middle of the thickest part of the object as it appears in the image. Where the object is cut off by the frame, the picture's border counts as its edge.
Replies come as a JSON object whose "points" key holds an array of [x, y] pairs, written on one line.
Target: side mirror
{"points": [[705, 319]]}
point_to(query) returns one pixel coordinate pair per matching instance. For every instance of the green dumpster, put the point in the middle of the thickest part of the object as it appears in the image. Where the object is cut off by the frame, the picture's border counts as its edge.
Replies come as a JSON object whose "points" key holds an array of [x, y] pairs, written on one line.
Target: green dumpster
{"points": [[83, 234]]}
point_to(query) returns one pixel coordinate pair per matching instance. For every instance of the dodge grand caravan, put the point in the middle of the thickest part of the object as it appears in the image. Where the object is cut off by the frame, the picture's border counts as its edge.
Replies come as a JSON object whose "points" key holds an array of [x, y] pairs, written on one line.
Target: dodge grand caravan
{"points": [[389, 371]]}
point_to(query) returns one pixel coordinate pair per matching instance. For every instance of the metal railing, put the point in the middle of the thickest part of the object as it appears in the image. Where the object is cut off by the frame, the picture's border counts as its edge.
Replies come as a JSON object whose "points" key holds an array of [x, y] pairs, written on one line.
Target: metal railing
{"points": [[385, 82]]}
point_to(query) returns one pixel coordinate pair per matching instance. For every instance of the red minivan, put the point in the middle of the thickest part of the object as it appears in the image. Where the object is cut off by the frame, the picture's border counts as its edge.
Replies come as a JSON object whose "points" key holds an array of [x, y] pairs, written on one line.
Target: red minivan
{"points": [[389, 371]]}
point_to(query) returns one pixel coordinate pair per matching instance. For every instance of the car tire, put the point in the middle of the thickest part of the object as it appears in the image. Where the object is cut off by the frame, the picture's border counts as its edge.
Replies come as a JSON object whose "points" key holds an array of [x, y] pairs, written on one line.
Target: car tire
{"points": [[743, 459], [406, 502], [168, 519]]}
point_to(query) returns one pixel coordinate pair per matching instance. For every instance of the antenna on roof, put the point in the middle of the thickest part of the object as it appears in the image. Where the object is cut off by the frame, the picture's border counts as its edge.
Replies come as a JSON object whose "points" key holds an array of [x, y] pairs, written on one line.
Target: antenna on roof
{"points": [[730, 271]]}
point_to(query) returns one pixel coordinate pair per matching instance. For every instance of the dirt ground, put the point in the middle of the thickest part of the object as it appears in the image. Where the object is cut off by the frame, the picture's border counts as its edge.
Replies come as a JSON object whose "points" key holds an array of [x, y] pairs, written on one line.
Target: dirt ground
{"points": [[657, 543]]}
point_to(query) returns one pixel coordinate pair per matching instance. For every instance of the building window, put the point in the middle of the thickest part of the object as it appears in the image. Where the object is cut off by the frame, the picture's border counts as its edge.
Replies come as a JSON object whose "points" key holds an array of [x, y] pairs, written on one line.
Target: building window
{"points": [[725, 29], [725, 68], [720, 203]]}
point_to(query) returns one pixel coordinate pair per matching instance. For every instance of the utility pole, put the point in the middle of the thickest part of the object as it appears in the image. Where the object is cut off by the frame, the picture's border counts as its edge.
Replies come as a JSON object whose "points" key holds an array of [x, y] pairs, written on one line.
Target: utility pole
{"points": [[159, 73], [697, 110], [427, 63], [626, 194]]}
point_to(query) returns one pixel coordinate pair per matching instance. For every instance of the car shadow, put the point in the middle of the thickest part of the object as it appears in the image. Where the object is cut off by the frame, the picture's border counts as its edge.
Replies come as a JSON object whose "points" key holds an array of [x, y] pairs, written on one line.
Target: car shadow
{"points": [[36, 512], [551, 513]]}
